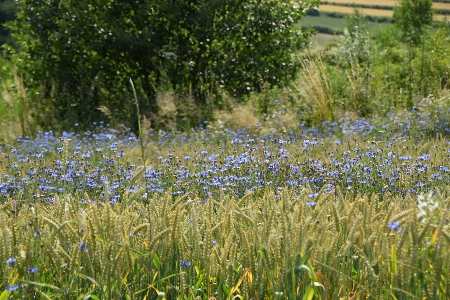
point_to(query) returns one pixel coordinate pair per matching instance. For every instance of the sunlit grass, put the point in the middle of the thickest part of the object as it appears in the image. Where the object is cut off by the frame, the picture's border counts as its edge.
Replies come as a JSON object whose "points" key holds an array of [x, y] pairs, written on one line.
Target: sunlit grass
{"points": [[353, 209]]}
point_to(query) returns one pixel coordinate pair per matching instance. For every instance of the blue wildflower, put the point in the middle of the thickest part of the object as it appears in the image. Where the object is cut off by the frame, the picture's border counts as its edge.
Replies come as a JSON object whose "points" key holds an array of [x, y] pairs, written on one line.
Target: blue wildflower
{"points": [[83, 246], [32, 270], [12, 288], [395, 225], [185, 263], [10, 261]]}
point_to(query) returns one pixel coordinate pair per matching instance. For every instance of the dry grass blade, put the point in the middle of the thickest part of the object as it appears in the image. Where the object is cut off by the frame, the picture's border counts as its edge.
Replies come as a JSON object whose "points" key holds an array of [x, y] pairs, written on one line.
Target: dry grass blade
{"points": [[315, 88]]}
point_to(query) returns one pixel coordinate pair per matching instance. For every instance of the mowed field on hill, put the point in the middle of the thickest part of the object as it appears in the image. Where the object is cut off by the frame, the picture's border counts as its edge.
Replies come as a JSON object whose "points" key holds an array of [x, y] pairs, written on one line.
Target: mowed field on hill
{"points": [[370, 11], [331, 21], [391, 3]]}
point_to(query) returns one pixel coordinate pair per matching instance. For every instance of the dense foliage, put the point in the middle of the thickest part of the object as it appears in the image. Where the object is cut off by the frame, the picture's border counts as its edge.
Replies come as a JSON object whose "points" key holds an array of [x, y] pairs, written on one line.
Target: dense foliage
{"points": [[6, 14], [412, 17], [79, 56], [369, 71]]}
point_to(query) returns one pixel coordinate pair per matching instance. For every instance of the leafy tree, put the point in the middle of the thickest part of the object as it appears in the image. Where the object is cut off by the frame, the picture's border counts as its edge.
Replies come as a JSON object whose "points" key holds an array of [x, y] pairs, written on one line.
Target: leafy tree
{"points": [[6, 14], [411, 16], [354, 57], [83, 53]]}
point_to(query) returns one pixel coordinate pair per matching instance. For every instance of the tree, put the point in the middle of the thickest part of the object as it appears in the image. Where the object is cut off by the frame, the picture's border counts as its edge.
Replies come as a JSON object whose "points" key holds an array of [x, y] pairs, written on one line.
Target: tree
{"points": [[412, 16], [6, 14], [84, 52], [355, 58]]}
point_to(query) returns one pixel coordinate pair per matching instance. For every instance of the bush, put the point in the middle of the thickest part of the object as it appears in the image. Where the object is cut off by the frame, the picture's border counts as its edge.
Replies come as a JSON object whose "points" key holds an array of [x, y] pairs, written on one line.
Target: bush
{"points": [[79, 56]]}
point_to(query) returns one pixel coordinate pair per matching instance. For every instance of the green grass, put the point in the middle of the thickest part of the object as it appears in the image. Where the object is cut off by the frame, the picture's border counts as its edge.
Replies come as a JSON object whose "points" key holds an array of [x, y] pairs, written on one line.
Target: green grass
{"points": [[337, 24], [321, 40]]}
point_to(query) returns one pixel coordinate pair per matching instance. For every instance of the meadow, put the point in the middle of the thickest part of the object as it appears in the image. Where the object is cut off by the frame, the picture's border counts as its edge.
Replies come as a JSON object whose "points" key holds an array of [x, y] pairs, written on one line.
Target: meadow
{"points": [[335, 186], [368, 11], [352, 209], [336, 25], [331, 20]]}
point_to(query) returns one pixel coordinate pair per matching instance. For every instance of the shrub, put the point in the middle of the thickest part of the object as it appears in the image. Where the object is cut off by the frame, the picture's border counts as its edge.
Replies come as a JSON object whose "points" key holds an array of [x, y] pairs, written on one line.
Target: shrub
{"points": [[80, 55]]}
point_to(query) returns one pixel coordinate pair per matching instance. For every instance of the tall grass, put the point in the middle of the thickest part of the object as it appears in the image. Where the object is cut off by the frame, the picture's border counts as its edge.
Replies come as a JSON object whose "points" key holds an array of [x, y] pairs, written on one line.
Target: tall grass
{"points": [[15, 115], [315, 89]]}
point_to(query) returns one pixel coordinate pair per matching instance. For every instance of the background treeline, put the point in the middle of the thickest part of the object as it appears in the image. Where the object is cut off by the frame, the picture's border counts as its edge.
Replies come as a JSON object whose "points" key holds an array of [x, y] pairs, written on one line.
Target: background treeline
{"points": [[77, 58], [6, 14], [71, 63]]}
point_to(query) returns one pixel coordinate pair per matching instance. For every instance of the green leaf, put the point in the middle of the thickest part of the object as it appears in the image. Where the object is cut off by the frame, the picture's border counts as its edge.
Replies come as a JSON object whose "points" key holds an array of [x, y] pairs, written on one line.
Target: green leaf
{"points": [[309, 295], [59, 229], [45, 285], [88, 294], [150, 286], [5, 295], [393, 260], [200, 280], [156, 262], [225, 289]]}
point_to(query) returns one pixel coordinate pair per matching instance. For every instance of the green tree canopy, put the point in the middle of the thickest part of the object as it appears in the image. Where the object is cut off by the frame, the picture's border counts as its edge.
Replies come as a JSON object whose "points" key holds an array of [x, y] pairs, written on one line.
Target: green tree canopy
{"points": [[6, 14], [411, 16], [83, 52]]}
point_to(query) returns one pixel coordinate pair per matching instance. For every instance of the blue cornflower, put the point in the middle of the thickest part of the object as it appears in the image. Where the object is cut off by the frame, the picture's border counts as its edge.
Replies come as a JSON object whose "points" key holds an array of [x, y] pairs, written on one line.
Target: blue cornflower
{"points": [[313, 195], [32, 270], [395, 225], [425, 157], [12, 288], [83, 246], [405, 157], [185, 263], [214, 242], [311, 203], [10, 261]]}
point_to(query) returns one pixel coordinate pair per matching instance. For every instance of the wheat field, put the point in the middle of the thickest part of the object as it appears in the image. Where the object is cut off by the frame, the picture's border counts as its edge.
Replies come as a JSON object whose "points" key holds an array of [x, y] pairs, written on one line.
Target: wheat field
{"points": [[356, 209], [393, 3]]}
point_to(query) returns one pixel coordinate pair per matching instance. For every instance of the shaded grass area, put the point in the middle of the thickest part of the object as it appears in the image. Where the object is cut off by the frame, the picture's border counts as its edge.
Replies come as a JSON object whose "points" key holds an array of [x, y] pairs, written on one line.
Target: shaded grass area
{"points": [[321, 40], [331, 25], [335, 24], [350, 10]]}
